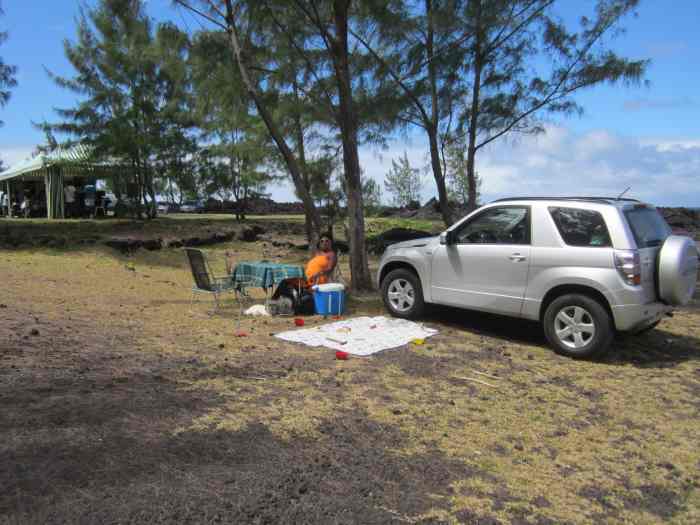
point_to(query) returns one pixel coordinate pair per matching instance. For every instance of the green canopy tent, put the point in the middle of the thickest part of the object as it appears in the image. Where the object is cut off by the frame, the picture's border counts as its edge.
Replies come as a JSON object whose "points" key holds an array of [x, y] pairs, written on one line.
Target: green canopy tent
{"points": [[54, 168]]}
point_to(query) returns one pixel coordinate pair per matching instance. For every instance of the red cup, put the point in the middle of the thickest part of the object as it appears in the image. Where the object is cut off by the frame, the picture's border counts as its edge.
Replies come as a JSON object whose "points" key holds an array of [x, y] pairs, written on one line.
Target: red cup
{"points": [[343, 356], [298, 321]]}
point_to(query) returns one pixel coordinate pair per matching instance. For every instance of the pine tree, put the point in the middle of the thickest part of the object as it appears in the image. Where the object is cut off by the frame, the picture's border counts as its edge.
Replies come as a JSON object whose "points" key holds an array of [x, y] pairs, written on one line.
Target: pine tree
{"points": [[457, 177], [522, 62], [131, 105], [403, 183], [236, 161], [7, 74]]}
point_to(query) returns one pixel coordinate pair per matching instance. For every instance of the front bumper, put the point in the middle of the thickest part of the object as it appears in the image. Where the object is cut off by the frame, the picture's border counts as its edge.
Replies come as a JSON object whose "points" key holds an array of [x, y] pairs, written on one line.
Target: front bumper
{"points": [[634, 317]]}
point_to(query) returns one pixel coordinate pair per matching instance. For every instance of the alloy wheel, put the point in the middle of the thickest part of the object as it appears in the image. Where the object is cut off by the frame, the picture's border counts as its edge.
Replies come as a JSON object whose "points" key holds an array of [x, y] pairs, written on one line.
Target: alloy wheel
{"points": [[574, 327], [401, 295]]}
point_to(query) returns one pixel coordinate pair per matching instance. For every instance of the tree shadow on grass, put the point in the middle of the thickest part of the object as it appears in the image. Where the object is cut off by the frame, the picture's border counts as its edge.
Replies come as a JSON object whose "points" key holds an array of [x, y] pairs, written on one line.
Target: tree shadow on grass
{"points": [[101, 433]]}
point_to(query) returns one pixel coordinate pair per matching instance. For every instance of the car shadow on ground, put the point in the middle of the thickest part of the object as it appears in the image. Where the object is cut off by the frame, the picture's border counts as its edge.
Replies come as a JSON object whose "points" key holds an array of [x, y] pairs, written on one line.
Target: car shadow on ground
{"points": [[482, 323], [657, 348]]}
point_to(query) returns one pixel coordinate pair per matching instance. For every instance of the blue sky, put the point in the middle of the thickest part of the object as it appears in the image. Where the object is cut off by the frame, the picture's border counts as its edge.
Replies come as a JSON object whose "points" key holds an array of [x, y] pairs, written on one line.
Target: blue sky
{"points": [[647, 137]]}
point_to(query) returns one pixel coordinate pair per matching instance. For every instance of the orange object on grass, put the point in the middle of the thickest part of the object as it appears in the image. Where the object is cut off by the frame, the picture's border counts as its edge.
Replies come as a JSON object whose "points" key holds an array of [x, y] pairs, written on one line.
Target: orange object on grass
{"points": [[343, 356]]}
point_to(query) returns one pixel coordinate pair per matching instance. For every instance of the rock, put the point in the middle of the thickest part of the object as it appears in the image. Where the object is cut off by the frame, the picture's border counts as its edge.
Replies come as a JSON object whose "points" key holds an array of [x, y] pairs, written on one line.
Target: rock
{"points": [[34, 331], [152, 244], [251, 234], [124, 245], [378, 243], [192, 241], [59, 242]]}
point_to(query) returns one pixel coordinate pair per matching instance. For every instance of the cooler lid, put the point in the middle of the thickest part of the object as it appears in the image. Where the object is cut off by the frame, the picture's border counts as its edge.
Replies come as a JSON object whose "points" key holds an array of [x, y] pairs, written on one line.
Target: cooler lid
{"points": [[329, 287]]}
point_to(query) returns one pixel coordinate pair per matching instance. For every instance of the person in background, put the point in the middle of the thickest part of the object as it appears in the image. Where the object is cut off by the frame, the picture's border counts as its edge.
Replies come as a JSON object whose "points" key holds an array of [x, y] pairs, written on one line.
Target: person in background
{"points": [[69, 192], [26, 206], [89, 191], [321, 266]]}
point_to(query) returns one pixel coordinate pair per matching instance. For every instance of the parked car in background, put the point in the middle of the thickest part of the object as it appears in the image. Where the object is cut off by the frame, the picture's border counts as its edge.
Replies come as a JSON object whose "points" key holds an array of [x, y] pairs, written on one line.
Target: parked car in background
{"points": [[584, 267], [192, 206]]}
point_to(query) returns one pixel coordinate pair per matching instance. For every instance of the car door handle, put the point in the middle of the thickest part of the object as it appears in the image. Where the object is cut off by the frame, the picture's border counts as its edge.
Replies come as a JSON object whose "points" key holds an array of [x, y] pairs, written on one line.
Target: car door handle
{"points": [[516, 257]]}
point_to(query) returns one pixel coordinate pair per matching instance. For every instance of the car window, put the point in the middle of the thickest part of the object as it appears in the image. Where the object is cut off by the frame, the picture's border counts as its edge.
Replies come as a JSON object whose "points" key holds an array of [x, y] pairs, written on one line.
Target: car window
{"points": [[648, 226], [580, 227], [504, 225]]}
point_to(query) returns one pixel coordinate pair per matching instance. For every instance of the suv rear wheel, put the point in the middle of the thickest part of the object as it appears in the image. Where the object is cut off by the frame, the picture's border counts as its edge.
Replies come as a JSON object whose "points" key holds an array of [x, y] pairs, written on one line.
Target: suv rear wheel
{"points": [[402, 294], [578, 326]]}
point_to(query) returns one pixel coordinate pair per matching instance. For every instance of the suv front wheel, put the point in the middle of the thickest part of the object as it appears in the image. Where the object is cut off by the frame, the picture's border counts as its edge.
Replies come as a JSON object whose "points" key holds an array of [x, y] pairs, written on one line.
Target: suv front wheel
{"points": [[578, 326], [402, 294]]}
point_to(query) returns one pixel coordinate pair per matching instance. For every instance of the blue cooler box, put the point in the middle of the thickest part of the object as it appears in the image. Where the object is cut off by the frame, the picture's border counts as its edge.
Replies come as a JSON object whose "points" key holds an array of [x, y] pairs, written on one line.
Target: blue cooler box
{"points": [[329, 299]]}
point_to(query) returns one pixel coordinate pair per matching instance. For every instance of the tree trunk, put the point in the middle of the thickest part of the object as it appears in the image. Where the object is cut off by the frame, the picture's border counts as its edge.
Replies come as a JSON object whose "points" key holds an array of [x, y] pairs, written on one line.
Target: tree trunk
{"points": [[272, 128], [439, 176], [153, 208], [312, 234], [432, 127], [347, 120], [474, 115]]}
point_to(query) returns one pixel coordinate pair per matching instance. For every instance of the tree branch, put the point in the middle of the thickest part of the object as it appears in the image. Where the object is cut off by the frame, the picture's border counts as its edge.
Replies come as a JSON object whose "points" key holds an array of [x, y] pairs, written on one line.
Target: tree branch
{"points": [[304, 57], [199, 12], [552, 95], [392, 73]]}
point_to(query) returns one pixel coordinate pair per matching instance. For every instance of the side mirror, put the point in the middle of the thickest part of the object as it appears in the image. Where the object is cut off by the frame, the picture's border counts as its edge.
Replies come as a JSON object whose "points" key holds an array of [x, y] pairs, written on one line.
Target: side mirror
{"points": [[446, 238]]}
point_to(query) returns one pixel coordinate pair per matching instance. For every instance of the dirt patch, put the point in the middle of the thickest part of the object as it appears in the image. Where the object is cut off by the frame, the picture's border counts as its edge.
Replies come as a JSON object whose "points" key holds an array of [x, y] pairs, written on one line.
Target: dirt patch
{"points": [[123, 402], [655, 499]]}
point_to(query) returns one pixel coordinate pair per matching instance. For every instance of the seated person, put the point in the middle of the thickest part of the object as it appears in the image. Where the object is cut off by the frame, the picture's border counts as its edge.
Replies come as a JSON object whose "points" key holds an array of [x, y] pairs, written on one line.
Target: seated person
{"points": [[321, 266]]}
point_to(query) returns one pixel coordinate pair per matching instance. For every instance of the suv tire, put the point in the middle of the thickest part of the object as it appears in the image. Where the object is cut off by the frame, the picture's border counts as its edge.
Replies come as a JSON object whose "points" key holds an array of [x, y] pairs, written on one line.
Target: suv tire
{"points": [[578, 326], [402, 294]]}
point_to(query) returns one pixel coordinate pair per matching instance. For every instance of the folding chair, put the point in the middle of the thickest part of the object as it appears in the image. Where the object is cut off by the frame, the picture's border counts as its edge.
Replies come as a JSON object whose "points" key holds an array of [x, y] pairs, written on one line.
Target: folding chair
{"points": [[206, 283], [337, 275]]}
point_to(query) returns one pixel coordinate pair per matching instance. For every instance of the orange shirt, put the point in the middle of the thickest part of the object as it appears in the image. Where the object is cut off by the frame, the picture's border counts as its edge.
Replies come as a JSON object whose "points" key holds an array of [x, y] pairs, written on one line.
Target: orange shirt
{"points": [[320, 263]]}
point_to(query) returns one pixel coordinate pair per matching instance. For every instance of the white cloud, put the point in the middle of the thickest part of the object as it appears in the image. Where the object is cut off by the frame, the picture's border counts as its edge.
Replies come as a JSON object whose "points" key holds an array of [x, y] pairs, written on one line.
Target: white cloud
{"points": [[595, 163], [12, 154], [642, 104], [659, 170]]}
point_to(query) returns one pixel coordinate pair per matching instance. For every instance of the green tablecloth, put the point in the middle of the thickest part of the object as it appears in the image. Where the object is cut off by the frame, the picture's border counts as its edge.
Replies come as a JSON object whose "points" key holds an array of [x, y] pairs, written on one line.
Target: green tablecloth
{"points": [[264, 274]]}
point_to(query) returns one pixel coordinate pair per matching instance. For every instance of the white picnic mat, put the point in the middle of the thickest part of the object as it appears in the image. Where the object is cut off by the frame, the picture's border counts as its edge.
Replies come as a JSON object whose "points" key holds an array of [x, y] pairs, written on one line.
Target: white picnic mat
{"points": [[360, 335]]}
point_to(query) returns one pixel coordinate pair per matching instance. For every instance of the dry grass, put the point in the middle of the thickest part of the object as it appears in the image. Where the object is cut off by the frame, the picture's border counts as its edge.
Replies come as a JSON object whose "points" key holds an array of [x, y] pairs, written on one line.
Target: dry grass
{"points": [[128, 405]]}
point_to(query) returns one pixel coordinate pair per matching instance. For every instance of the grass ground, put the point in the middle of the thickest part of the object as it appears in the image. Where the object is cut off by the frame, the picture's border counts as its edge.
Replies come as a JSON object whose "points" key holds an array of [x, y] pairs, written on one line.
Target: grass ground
{"points": [[121, 403]]}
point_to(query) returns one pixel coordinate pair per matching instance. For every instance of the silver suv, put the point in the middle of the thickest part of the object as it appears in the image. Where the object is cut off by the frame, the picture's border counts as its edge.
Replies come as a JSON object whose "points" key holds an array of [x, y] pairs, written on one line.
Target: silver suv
{"points": [[585, 267]]}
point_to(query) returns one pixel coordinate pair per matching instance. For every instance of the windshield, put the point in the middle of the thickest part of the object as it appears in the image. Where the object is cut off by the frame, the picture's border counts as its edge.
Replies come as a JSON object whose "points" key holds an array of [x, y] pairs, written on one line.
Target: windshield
{"points": [[648, 227]]}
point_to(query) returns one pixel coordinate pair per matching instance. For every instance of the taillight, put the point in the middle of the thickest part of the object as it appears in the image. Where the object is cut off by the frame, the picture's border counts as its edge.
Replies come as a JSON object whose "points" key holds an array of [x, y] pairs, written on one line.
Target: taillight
{"points": [[629, 267]]}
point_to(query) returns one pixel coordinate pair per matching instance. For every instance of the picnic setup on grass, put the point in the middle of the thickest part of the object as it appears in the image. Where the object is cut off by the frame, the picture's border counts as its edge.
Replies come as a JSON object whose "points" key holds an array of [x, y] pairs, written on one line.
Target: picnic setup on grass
{"points": [[295, 291]]}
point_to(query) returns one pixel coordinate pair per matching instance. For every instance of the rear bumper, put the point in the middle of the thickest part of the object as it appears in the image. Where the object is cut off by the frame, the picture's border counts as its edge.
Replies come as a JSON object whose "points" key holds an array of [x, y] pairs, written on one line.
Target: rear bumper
{"points": [[633, 317]]}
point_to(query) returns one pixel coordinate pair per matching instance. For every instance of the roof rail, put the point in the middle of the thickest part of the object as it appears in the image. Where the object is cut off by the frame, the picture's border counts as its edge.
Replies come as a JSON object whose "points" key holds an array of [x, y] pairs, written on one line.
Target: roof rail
{"points": [[585, 199]]}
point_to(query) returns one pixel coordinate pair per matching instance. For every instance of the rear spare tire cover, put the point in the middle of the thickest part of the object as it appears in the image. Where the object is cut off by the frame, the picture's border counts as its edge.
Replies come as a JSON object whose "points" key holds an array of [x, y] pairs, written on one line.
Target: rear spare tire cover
{"points": [[678, 270]]}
